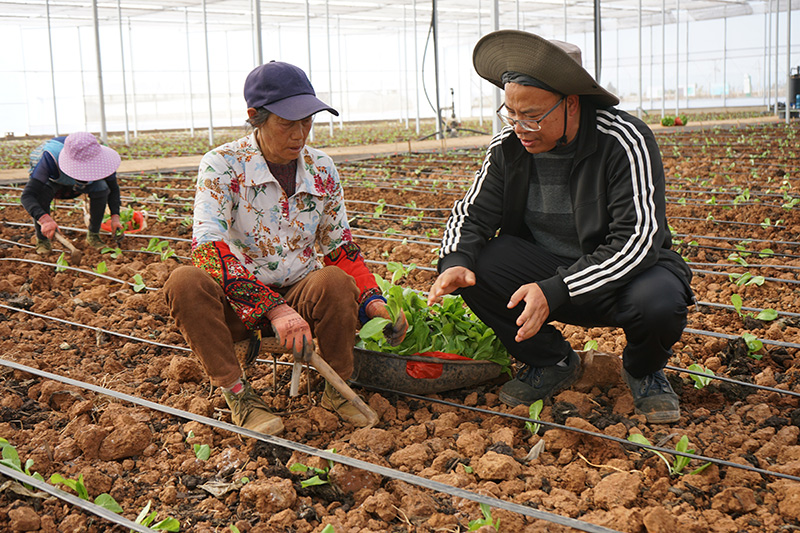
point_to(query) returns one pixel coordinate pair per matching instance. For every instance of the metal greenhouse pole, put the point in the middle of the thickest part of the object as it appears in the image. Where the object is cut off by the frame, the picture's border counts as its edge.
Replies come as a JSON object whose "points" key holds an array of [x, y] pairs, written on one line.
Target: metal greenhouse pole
{"points": [[496, 126], [133, 83], [259, 44], [767, 54], [208, 77], [189, 73], [677, 56], [405, 62], [598, 40], [96, 22], [663, 57], [788, 58], [330, 66], [777, 52], [308, 43], [639, 108], [52, 72], [480, 84], [416, 66], [434, 24], [339, 64], [124, 80], [725, 61]]}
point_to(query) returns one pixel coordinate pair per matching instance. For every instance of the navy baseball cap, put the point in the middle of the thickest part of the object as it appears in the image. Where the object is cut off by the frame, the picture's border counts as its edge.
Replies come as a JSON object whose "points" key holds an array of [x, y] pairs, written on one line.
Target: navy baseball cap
{"points": [[284, 90]]}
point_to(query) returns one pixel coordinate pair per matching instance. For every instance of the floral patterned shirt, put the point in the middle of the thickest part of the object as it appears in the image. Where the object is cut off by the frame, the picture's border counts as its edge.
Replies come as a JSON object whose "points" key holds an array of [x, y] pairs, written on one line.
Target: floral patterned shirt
{"points": [[251, 237]]}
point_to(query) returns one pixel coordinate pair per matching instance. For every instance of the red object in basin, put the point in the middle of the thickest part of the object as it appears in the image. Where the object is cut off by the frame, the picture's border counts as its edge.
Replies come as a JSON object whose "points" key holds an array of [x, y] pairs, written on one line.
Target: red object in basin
{"points": [[132, 226], [420, 370]]}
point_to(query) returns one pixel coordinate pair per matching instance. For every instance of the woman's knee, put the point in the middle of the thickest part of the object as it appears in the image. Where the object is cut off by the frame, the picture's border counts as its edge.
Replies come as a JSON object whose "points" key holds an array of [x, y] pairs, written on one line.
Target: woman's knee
{"points": [[186, 280]]}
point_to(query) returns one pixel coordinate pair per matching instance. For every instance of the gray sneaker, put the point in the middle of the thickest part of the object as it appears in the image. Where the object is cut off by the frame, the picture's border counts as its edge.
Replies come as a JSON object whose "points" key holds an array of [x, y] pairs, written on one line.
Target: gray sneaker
{"points": [[653, 397], [539, 383]]}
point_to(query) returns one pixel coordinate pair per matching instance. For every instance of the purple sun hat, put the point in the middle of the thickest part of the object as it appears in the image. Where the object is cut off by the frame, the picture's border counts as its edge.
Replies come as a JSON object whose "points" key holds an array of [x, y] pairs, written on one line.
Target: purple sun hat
{"points": [[83, 158], [284, 90]]}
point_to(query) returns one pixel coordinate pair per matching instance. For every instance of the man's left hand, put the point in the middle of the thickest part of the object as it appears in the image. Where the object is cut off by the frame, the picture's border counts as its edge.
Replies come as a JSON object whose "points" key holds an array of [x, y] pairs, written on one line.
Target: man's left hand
{"points": [[535, 313], [395, 332]]}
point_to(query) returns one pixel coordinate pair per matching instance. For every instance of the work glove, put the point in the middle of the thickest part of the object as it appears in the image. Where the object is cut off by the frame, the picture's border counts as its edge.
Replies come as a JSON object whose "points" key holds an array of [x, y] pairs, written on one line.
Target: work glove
{"points": [[48, 225], [292, 332], [394, 332]]}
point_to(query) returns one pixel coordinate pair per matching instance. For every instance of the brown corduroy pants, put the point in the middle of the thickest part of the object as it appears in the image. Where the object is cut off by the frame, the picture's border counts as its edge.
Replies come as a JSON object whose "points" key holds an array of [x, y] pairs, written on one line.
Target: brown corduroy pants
{"points": [[327, 299]]}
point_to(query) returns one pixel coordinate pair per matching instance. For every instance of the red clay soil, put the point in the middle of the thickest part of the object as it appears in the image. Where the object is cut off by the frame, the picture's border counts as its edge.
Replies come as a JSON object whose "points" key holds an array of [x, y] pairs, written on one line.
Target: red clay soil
{"points": [[137, 455]]}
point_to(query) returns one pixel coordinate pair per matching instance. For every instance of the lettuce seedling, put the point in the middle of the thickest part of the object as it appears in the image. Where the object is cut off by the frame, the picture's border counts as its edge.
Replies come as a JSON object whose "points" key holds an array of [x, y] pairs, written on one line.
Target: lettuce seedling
{"points": [[533, 412], [679, 463], [700, 381], [475, 525]]}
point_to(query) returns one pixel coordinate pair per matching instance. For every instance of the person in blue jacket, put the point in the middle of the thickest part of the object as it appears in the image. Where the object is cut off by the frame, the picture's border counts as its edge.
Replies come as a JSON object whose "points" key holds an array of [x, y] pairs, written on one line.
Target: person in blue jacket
{"points": [[67, 167], [566, 222]]}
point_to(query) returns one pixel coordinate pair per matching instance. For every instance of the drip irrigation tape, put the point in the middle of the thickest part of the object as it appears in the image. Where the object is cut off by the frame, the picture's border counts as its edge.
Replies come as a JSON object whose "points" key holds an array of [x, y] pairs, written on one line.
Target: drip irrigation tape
{"points": [[66, 267], [96, 510], [733, 381], [733, 337], [743, 241], [715, 273], [721, 249], [715, 221], [586, 432], [753, 309], [759, 265], [342, 459]]}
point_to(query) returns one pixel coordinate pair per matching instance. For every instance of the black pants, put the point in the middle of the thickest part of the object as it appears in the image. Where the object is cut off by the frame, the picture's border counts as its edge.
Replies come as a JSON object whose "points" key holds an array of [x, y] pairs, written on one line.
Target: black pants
{"points": [[97, 191], [651, 309]]}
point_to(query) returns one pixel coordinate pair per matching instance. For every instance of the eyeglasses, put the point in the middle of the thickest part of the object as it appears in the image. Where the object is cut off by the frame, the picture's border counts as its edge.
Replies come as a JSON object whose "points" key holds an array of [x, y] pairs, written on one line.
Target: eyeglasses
{"points": [[527, 124]]}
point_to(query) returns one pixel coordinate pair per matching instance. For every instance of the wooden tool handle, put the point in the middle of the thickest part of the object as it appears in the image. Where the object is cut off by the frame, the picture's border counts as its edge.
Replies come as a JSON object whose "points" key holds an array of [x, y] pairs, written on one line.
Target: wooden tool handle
{"points": [[66, 242], [344, 389]]}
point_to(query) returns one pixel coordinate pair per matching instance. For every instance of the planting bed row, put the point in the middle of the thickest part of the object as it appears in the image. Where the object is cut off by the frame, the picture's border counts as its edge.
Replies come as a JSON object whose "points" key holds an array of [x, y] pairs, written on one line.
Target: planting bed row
{"points": [[732, 201]]}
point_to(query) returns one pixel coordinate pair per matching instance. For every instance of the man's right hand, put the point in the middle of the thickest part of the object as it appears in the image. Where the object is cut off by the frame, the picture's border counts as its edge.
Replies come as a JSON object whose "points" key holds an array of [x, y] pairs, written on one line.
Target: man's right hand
{"points": [[453, 278], [292, 331], [48, 225]]}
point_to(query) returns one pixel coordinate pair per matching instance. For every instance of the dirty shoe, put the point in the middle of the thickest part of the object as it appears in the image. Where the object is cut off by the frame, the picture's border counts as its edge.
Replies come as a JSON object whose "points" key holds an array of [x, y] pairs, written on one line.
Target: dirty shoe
{"points": [[540, 383], [93, 239], [653, 397], [43, 246], [332, 400], [249, 411]]}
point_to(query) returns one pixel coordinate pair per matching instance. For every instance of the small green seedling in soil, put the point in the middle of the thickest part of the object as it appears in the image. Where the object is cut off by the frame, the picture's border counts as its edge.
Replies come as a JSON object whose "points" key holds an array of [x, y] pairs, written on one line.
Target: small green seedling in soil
{"points": [[146, 518], [201, 451], [700, 381], [101, 268], [61, 263], [104, 500], [765, 315], [114, 252], [10, 458], [754, 345], [138, 285], [328, 529], [475, 525], [533, 412], [591, 345], [680, 462], [316, 480]]}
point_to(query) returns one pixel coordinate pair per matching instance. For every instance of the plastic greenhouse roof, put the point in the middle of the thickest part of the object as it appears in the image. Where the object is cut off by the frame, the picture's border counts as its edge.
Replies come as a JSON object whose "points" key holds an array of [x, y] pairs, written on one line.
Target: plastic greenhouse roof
{"points": [[540, 16]]}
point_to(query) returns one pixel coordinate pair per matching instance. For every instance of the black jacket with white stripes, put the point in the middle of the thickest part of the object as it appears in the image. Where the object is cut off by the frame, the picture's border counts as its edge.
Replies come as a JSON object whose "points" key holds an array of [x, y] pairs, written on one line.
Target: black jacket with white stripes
{"points": [[617, 191]]}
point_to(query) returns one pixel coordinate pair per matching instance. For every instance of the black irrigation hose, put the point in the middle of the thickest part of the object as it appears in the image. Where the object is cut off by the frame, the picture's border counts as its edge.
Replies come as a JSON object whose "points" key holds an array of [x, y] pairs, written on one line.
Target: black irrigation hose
{"points": [[716, 221], [749, 265], [702, 332], [485, 411], [324, 454], [623, 442], [76, 269], [95, 509], [747, 240], [751, 309], [721, 249], [775, 280]]}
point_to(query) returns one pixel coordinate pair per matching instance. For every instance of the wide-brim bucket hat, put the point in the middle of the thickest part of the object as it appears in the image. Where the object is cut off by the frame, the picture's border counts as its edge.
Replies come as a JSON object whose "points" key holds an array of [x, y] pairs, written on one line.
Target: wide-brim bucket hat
{"points": [[83, 158], [283, 89], [555, 63]]}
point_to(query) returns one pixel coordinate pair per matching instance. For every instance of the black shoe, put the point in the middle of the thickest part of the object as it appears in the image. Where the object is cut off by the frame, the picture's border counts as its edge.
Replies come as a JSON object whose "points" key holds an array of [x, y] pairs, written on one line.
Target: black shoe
{"points": [[538, 383], [653, 397]]}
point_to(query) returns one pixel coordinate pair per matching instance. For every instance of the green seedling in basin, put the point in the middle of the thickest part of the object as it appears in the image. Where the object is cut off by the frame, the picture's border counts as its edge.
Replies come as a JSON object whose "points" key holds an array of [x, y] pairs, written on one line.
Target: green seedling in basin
{"points": [[315, 480], [754, 345], [114, 252], [101, 268], [61, 263], [138, 283], [104, 500], [591, 345], [765, 315]]}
